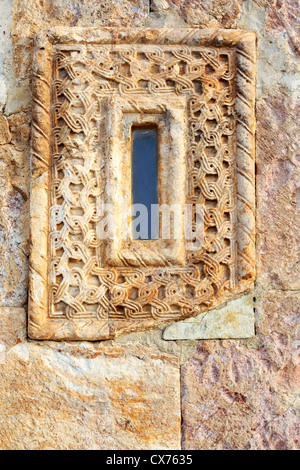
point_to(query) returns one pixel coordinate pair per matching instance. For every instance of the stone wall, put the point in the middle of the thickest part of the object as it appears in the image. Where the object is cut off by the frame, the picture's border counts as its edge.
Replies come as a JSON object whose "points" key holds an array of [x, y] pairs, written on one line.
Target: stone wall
{"points": [[140, 391]]}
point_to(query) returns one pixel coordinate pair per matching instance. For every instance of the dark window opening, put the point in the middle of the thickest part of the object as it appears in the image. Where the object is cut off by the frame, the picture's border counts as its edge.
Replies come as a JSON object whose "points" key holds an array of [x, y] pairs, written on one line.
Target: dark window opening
{"points": [[145, 183]]}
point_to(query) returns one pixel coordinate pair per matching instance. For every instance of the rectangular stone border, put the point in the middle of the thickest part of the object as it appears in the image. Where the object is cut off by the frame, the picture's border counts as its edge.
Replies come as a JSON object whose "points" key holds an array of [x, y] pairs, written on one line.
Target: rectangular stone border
{"points": [[244, 43]]}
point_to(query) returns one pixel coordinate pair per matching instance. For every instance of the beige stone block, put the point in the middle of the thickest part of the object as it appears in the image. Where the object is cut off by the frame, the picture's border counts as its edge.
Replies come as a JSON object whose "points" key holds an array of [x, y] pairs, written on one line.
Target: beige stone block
{"points": [[163, 18], [83, 397], [234, 320], [244, 395], [12, 329], [4, 130], [205, 14], [33, 15]]}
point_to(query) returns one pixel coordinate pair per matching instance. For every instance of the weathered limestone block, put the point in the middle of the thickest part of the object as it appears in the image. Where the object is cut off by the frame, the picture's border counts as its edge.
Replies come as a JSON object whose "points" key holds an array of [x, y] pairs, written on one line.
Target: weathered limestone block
{"points": [[161, 16], [33, 15], [245, 395], [87, 397], [278, 177], [276, 51], [159, 5], [208, 13], [12, 329], [4, 130], [234, 320]]}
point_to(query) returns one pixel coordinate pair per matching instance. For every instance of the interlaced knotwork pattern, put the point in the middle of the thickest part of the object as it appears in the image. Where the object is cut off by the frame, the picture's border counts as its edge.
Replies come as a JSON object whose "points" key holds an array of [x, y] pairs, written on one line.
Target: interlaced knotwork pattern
{"points": [[77, 291], [80, 284]]}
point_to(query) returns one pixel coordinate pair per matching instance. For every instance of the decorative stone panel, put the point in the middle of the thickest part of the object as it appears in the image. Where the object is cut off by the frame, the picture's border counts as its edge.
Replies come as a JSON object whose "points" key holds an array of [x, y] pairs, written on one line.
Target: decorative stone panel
{"points": [[89, 87]]}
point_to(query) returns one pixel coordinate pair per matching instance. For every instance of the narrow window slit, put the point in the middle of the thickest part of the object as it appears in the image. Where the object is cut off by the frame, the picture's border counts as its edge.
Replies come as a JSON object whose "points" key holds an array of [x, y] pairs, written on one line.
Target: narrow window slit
{"points": [[145, 183]]}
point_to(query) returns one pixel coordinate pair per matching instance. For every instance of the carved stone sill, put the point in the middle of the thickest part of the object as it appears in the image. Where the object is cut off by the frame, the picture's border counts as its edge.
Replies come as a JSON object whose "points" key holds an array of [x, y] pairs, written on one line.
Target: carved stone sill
{"points": [[89, 86]]}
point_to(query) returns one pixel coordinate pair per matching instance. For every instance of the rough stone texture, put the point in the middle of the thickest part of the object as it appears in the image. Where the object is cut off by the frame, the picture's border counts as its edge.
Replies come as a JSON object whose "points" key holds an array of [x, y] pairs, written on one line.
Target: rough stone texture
{"points": [[5, 135], [33, 15], [88, 397], [245, 395], [235, 394], [12, 326], [234, 320], [207, 13], [160, 17]]}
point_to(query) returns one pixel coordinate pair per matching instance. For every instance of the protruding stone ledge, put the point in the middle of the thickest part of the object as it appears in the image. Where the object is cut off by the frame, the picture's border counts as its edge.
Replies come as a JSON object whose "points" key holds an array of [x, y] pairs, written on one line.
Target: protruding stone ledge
{"points": [[234, 320]]}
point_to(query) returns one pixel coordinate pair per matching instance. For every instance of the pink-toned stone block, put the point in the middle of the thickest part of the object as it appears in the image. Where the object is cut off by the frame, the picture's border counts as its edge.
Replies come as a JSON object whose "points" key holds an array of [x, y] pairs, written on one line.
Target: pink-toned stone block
{"points": [[243, 396]]}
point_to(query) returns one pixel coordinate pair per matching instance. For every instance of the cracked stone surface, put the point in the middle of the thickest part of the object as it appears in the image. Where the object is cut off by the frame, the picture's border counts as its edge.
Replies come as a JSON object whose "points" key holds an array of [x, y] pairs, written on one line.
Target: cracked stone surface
{"points": [[86, 397]]}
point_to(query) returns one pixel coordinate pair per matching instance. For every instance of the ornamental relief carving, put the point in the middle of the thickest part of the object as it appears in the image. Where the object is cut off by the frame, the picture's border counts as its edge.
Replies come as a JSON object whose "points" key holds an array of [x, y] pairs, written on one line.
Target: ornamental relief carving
{"points": [[89, 88]]}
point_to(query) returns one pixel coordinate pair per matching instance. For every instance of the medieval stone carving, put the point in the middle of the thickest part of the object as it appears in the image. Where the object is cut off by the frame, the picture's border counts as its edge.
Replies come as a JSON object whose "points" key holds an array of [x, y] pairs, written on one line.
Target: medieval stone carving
{"points": [[89, 86]]}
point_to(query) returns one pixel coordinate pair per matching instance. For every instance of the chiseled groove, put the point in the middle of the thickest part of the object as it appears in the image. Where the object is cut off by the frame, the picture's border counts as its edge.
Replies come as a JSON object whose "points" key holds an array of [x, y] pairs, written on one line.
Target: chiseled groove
{"points": [[245, 175]]}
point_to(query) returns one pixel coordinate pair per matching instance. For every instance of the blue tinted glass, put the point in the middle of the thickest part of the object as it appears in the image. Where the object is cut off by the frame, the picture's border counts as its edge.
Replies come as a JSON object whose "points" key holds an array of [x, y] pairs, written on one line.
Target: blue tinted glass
{"points": [[145, 182]]}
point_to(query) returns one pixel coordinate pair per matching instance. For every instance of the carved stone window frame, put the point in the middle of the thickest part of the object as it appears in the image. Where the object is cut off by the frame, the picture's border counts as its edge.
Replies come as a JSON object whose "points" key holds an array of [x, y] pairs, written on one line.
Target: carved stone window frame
{"points": [[122, 114], [191, 292]]}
